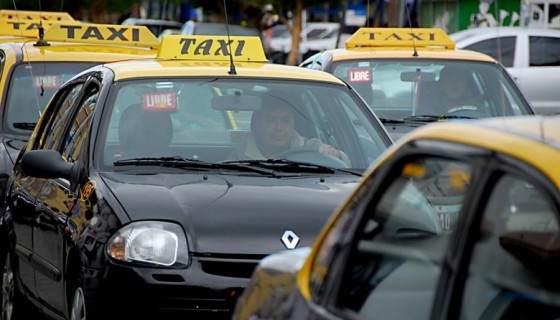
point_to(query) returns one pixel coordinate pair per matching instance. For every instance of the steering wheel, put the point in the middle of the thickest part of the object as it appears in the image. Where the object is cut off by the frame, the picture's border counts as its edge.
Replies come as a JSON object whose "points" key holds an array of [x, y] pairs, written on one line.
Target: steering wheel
{"points": [[305, 154], [468, 111]]}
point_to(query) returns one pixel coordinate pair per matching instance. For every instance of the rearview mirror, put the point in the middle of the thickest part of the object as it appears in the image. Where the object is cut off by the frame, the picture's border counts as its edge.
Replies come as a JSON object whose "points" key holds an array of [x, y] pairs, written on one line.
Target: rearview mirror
{"points": [[410, 76], [236, 102]]}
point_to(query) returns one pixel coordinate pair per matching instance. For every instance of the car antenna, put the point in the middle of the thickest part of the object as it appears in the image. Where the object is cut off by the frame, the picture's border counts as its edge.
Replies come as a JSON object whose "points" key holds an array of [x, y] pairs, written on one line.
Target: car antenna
{"points": [[415, 54], [40, 40], [231, 65], [367, 15]]}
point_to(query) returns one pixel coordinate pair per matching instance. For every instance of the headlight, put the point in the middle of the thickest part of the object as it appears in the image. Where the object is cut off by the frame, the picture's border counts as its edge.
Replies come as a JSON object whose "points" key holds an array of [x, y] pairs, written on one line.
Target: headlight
{"points": [[153, 242]]}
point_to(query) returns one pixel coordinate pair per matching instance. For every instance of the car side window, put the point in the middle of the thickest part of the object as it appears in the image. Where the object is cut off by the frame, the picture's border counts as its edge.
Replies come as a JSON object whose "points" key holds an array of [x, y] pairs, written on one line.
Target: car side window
{"points": [[75, 137], [513, 272], [543, 51], [398, 249], [501, 49], [54, 128]]}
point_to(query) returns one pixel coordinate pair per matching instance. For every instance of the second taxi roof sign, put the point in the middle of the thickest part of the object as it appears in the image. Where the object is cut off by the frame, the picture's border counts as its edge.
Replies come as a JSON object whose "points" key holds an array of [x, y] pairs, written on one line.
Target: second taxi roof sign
{"points": [[212, 48]]}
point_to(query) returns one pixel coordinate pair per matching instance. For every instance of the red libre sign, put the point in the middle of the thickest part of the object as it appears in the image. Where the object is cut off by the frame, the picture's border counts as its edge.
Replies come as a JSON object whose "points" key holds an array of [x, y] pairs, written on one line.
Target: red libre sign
{"points": [[159, 101], [363, 75]]}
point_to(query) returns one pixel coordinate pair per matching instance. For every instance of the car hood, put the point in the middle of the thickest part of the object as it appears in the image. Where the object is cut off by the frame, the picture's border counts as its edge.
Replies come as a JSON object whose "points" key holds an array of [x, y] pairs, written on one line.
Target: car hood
{"points": [[233, 214]]}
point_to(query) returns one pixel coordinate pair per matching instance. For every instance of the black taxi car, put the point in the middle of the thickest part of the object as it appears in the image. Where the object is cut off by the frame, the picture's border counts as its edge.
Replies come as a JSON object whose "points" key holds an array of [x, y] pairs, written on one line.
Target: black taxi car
{"points": [[456, 221], [140, 189]]}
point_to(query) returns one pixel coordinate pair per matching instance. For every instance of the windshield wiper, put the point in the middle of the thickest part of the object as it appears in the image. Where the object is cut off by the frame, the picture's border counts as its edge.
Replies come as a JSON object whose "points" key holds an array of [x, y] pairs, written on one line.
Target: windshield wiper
{"points": [[179, 162], [400, 121], [434, 118], [25, 125], [164, 162], [286, 165]]}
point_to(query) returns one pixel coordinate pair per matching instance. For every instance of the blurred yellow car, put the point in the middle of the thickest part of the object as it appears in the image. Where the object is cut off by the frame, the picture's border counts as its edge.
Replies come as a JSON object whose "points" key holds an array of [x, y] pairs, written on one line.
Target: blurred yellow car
{"points": [[411, 77], [455, 221]]}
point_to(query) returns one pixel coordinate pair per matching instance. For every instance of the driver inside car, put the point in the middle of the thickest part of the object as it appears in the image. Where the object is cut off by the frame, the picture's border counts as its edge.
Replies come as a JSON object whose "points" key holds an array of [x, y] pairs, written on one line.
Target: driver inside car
{"points": [[273, 132], [457, 88]]}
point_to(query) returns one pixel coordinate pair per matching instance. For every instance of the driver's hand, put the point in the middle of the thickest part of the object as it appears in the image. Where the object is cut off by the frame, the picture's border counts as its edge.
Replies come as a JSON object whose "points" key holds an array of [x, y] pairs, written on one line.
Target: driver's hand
{"points": [[329, 150]]}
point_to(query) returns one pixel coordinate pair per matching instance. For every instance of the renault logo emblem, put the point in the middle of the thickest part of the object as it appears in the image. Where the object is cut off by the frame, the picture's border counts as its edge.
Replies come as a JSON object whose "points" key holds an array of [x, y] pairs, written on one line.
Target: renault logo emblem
{"points": [[290, 239]]}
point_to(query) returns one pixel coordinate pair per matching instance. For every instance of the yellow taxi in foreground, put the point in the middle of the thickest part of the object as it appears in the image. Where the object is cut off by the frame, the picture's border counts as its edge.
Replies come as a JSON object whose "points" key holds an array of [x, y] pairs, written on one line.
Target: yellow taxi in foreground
{"points": [[146, 202], [411, 77], [455, 221], [32, 69]]}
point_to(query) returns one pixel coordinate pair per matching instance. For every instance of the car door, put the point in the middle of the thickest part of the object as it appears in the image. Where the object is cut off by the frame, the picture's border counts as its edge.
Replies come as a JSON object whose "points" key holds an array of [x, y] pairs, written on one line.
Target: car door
{"points": [[405, 217], [509, 268], [60, 214], [26, 189]]}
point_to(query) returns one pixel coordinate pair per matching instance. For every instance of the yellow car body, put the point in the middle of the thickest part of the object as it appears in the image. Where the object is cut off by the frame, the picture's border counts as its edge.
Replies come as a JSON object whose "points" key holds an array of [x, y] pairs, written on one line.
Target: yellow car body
{"points": [[497, 178]]}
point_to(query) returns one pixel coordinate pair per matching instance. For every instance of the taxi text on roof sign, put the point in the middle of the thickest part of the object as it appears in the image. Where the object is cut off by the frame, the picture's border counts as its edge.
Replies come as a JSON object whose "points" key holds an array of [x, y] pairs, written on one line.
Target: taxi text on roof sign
{"points": [[400, 37], [212, 48], [35, 15], [101, 34], [23, 28]]}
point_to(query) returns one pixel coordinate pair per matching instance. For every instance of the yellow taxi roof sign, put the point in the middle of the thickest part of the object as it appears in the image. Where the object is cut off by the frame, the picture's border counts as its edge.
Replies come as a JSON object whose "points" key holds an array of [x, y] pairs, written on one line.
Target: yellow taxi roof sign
{"points": [[113, 34], [23, 28], [35, 15], [400, 37], [212, 48]]}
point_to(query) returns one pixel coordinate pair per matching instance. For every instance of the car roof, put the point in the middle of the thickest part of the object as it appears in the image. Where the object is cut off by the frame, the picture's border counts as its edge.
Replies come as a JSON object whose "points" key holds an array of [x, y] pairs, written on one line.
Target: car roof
{"points": [[428, 43], [181, 55], [532, 139], [170, 68]]}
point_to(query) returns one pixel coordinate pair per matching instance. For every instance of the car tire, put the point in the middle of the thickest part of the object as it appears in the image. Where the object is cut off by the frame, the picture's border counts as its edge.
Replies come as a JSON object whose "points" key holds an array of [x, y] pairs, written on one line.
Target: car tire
{"points": [[14, 305], [77, 303]]}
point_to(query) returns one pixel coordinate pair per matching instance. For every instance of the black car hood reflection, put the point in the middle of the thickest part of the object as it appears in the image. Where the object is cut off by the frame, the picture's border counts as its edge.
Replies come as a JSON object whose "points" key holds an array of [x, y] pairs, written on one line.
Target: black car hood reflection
{"points": [[227, 214]]}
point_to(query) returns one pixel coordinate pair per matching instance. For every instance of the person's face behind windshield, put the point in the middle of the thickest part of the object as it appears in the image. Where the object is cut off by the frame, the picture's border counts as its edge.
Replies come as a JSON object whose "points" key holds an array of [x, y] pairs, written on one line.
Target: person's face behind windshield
{"points": [[274, 128]]}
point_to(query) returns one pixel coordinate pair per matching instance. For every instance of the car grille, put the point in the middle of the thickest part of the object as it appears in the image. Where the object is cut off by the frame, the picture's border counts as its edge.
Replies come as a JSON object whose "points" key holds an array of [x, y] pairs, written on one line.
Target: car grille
{"points": [[229, 268]]}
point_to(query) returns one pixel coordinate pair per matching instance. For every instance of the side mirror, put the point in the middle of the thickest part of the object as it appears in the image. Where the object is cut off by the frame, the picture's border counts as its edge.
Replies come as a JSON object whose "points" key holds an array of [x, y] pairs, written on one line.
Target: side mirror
{"points": [[48, 164]]}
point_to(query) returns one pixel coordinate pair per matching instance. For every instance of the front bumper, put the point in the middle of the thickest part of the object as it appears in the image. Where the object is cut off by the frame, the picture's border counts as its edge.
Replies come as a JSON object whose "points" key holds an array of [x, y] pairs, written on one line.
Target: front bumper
{"points": [[207, 287]]}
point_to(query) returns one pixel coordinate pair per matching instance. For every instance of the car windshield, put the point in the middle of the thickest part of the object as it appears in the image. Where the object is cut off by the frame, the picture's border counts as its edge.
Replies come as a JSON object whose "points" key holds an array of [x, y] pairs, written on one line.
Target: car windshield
{"points": [[404, 88], [235, 121], [31, 87]]}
